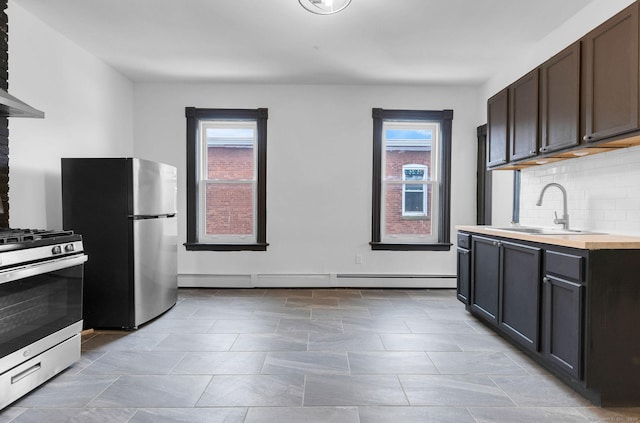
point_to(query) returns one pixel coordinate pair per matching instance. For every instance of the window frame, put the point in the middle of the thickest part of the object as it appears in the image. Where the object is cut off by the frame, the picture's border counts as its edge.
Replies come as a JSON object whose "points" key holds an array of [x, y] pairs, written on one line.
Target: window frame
{"points": [[422, 189], [205, 182], [194, 162], [443, 167]]}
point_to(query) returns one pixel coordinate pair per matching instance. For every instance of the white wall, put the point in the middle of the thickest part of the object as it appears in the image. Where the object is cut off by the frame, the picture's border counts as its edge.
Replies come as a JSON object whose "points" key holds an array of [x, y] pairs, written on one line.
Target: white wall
{"points": [[587, 214], [319, 158], [318, 178], [88, 112], [595, 13]]}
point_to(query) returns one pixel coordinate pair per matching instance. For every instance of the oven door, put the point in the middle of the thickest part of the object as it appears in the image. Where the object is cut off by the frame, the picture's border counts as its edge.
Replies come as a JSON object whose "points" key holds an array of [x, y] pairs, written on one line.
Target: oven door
{"points": [[37, 301]]}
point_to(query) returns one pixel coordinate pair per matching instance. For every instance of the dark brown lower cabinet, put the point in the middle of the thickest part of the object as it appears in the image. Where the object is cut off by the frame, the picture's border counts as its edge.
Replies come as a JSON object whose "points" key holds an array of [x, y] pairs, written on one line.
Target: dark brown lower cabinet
{"points": [[519, 312], [576, 312], [563, 325], [464, 275], [485, 276], [506, 287]]}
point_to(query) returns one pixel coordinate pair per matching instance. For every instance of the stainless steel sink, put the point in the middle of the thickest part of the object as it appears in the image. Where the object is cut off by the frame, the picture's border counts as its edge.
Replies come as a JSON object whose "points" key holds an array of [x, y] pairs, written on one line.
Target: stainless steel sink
{"points": [[542, 231]]}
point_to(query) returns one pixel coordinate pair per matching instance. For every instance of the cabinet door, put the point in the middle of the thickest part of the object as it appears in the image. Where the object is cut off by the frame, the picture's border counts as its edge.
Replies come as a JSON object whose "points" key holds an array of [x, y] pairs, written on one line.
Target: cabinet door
{"points": [[520, 293], [464, 275], [497, 128], [560, 100], [523, 117], [485, 281], [611, 76], [563, 325]]}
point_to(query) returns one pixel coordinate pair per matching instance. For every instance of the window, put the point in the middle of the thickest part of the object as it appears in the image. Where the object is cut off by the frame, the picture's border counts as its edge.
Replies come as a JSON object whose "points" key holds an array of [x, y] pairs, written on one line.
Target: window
{"points": [[414, 194], [412, 155], [226, 183]]}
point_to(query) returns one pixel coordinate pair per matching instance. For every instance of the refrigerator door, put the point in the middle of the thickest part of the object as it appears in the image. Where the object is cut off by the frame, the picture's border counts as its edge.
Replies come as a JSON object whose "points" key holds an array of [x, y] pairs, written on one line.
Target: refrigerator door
{"points": [[154, 188], [155, 267]]}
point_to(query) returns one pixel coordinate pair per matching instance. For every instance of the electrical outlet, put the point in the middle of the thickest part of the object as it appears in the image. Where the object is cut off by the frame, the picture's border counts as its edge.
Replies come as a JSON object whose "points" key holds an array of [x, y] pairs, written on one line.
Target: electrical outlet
{"points": [[358, 258]]}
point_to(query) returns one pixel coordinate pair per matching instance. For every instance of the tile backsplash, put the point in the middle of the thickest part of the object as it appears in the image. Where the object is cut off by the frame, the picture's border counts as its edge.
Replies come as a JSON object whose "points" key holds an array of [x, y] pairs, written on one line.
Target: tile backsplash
{"points": [[603, 192]]}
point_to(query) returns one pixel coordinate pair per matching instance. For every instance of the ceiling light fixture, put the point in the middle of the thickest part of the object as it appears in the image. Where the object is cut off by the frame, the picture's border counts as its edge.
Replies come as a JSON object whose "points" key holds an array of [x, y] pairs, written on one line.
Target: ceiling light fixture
{"points": [[324, 7]]}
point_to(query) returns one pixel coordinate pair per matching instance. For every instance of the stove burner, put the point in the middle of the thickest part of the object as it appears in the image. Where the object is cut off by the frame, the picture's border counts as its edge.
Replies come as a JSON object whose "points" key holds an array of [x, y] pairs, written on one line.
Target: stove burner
{"points": [[20, 246], [15, 235]]}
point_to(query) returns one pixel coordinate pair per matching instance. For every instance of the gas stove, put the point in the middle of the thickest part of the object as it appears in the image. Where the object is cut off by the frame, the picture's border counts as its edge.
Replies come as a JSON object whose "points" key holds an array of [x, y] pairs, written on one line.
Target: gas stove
{"points": [[19, 246], [41, 278], [23, 238]]}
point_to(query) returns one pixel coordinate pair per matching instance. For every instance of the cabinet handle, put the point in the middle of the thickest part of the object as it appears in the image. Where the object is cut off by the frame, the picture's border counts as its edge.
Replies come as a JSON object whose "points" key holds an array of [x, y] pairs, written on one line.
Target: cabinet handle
{"points": [[545, 280], [598, 138], [532, 152], [17, 378]]}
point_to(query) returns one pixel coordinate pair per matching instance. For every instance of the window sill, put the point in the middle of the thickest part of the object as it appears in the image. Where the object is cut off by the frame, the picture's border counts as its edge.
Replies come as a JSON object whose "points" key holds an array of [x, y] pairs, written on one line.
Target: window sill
{"points": [[195, 246], [415, 217], [409, 247]]}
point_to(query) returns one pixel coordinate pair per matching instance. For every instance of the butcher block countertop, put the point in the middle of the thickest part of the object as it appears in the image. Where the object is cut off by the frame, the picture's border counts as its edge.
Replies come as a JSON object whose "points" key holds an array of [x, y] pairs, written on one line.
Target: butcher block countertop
{"points": [[587, 241]]}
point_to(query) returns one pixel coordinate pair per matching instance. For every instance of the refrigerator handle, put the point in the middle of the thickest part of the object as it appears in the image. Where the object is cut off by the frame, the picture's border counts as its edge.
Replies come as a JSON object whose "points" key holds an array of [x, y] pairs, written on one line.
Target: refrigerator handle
{"points": [[151, 216]]}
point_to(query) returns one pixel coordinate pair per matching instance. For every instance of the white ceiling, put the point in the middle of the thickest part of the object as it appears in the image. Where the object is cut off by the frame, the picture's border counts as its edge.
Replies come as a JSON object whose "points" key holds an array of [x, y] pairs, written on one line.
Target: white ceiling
{"points": [[277, 41]]}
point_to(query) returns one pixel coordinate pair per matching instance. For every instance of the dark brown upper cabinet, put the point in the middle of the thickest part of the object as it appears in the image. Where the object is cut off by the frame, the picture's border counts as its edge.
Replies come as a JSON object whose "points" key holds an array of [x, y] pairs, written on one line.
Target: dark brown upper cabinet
{"points": [[523, 117], [498, 128], [584, 100], [611, 77], [560, 100]]}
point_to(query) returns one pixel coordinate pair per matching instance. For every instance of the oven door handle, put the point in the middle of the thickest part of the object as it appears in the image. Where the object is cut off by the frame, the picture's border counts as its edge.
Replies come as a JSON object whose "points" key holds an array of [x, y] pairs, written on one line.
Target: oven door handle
{"points": [[35, 269]]}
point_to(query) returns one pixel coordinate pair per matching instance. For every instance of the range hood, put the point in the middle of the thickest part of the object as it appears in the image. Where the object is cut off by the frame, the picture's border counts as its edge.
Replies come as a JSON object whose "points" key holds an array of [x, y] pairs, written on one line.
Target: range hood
{"points": [[12, 107]]}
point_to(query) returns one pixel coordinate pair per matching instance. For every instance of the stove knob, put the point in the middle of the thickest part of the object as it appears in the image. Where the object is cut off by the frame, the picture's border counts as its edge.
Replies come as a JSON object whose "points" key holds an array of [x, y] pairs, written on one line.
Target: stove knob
{"points": [[56, 250], [69, 248]]}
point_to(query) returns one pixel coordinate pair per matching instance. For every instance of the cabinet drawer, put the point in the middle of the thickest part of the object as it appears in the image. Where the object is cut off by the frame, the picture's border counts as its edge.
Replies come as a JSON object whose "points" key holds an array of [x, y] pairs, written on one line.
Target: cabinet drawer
{"points": [[464, 240], [564, 265], [30, 374]]}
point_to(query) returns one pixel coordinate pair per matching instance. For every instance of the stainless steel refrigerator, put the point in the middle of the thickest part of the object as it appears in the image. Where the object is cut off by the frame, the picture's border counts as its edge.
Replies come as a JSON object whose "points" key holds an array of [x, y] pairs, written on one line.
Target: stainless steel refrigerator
{"points": [[125, 210]]}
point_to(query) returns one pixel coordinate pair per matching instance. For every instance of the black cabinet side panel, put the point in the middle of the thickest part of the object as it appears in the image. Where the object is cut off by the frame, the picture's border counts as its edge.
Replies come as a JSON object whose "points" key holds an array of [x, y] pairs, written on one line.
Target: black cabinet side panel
{"points": [[612, 319], [95, 199]]}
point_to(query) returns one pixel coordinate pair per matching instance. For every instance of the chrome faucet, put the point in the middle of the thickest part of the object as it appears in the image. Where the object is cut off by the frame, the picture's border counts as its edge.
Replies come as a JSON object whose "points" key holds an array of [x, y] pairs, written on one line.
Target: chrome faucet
{"points": [[565, 217]]}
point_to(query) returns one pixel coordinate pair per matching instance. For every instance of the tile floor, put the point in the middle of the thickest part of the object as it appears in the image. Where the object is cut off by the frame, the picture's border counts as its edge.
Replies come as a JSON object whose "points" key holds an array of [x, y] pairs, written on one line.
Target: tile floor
{"points": [[307, 355]]}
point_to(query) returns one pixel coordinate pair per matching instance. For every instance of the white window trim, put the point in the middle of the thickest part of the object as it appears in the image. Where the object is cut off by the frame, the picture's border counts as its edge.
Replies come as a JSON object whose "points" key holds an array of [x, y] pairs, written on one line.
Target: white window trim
{"points": [[433, 181], [203, 182], [421, 183]]}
